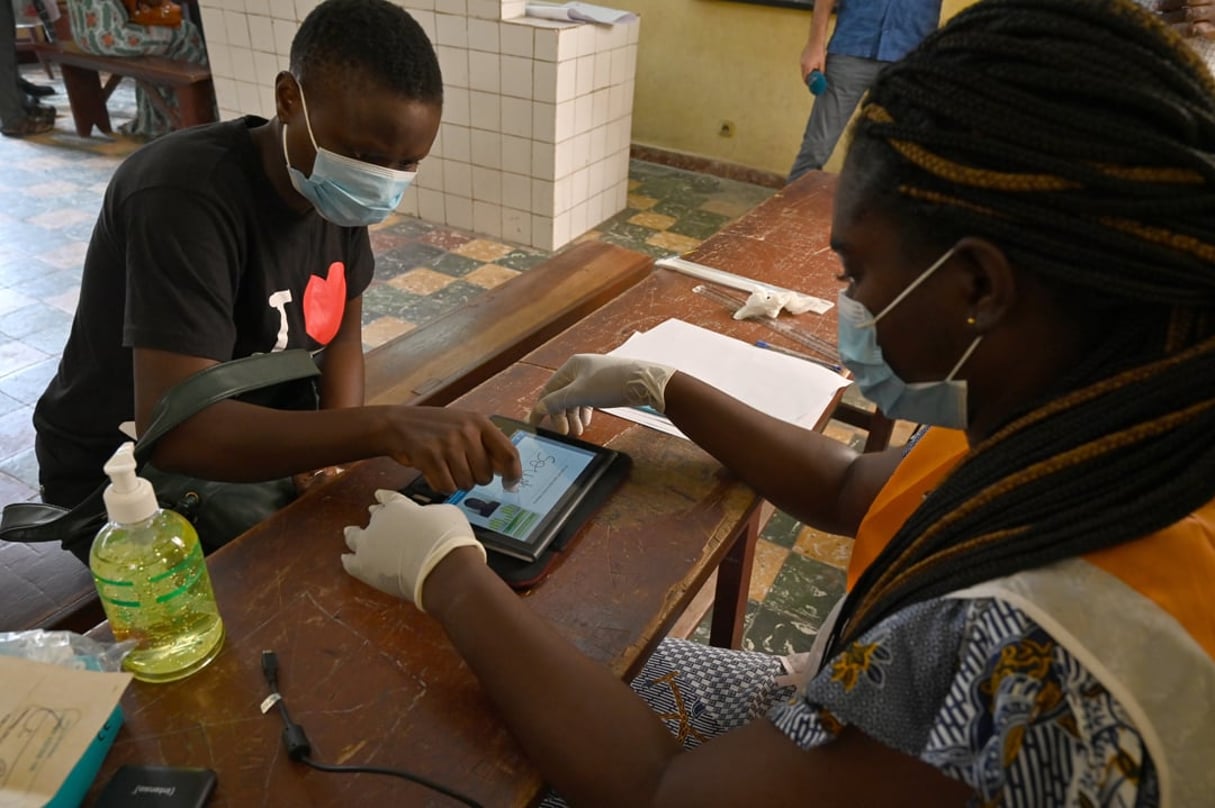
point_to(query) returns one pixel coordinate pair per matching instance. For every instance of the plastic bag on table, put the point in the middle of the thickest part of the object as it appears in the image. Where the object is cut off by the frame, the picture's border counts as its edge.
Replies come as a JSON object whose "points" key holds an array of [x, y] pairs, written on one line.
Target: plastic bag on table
{"points": [[65, 648]]}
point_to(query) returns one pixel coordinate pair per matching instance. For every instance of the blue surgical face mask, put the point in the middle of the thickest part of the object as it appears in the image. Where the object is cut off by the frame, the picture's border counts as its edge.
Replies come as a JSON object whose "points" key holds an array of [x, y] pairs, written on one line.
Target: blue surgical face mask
{"points": [[941, 403], [346, 191]]}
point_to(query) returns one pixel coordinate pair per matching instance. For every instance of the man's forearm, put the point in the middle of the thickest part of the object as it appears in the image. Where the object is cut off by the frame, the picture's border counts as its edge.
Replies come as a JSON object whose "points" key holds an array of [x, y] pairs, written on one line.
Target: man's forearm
{"points": [[819, 20], [238, 442]]}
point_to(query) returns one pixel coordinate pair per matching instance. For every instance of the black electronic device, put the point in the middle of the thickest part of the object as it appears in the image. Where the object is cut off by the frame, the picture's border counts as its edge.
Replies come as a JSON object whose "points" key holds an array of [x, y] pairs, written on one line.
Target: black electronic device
{"points": [[157, 787], [564, 480]]}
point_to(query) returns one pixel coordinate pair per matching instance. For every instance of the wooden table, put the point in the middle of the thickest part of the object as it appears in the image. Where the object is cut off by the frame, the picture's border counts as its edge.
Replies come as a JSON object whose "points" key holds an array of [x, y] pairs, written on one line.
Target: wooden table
{"points": [[784, 241], [787, 241], [374, 681]]}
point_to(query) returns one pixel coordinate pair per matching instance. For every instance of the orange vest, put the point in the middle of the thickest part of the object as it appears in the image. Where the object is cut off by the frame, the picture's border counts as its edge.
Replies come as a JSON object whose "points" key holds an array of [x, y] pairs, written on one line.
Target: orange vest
{"points": [[1173, 567], [1140, 616]]}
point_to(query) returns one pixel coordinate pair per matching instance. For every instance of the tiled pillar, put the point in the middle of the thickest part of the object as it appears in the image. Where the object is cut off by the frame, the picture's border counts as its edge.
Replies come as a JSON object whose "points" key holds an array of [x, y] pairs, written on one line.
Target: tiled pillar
{"points": [[537, 114]]}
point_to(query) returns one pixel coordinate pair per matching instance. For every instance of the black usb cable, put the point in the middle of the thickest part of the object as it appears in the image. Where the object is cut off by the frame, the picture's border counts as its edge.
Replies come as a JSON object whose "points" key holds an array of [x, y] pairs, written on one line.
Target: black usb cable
{"points": [[299, 748]]}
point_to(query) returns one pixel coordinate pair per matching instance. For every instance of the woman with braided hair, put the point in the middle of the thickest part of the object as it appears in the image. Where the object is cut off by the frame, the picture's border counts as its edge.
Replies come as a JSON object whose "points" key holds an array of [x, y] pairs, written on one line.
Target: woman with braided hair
{"points": [[1026, 224]]}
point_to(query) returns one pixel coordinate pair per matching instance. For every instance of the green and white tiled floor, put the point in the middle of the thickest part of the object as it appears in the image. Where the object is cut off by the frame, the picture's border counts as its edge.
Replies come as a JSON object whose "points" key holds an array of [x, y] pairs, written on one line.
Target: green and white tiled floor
{"points": [[423, 270], [51, 188]]}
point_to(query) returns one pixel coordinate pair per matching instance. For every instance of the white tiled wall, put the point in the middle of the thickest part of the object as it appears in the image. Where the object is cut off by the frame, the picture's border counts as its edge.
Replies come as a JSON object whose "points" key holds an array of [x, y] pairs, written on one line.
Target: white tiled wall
{"points": [[534, 143]]}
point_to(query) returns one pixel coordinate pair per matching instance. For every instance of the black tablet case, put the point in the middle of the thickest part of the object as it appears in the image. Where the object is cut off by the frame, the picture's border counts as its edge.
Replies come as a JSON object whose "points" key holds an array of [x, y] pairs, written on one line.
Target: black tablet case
{"points": [[521, 574]]}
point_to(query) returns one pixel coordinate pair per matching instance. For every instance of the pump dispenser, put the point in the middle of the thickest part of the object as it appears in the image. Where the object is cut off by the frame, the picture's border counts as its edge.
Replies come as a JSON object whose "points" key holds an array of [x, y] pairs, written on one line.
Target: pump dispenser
{"points": [[128, 499], [148, 566]]}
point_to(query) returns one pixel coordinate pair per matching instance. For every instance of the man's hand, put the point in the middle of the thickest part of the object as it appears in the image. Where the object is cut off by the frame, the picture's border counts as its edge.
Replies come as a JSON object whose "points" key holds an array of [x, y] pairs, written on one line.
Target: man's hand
{"points": [[814, 57], [403, 542], [1190, 18], [452, 448], [589, 380]]}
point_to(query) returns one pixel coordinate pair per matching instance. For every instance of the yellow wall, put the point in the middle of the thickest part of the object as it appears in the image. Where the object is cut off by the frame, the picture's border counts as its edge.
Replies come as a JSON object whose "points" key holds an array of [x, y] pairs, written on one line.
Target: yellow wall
{"points": [[702, 62]]}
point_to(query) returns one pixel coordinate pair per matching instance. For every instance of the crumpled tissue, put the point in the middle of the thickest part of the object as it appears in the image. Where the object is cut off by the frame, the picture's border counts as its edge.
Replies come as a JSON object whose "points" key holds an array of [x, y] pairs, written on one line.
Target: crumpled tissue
{"points": [[765, 303]]}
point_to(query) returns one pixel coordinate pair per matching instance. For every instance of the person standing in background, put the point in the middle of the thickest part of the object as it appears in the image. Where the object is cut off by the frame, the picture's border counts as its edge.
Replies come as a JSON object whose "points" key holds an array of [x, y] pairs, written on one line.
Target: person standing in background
{"points": [[869, 34], [20, 114], [1194, 20], [30, 13]]}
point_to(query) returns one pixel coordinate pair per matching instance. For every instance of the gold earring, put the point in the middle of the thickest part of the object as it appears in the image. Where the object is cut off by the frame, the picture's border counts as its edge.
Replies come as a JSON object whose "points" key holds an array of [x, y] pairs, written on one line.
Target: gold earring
{"points": [[970, 320]]}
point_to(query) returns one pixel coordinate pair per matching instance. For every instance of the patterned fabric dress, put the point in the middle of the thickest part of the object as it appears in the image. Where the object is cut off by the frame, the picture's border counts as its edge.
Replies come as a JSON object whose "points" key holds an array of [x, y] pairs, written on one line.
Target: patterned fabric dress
{"points": [[974, 688], [102, 27], [980, 691]]}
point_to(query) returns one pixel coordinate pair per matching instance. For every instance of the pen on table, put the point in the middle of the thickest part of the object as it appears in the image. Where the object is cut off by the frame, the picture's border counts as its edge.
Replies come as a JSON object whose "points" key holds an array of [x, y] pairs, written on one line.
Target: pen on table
{"points": [[798, 354], [646, 408]]}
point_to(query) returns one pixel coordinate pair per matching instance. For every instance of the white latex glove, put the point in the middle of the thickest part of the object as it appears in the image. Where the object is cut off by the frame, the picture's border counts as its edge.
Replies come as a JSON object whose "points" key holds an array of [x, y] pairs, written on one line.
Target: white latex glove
{"points": [[403, 542], [591, 380]]}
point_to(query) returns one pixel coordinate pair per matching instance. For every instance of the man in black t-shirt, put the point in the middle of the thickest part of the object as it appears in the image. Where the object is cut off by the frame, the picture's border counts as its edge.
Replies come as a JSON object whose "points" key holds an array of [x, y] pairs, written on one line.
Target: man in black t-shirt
{"points": [[249, 236]]}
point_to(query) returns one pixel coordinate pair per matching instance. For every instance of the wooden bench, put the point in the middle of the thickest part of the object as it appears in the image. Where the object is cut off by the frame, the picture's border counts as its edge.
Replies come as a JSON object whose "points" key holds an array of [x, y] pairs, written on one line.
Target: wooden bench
{"points": [[449, 356], [42, 586], [87, 96]]}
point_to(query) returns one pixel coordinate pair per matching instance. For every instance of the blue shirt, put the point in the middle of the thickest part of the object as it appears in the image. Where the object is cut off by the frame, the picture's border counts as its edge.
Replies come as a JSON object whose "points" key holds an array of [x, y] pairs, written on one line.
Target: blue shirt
{"points": [[884, 30]]}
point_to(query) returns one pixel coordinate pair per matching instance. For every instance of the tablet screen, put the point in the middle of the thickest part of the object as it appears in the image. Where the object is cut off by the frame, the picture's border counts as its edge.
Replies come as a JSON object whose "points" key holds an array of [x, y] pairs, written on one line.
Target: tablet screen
{"points": [[550, 469]]}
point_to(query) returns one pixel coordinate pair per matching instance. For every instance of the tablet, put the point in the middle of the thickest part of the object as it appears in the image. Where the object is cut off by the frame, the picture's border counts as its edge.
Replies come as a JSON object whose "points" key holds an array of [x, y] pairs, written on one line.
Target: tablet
{"points": [[564, 479]]}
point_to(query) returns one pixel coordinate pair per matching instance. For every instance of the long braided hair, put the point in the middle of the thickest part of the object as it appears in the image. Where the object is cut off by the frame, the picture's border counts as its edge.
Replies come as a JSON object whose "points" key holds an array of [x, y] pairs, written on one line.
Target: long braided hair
{"points": [[1078, 136]]}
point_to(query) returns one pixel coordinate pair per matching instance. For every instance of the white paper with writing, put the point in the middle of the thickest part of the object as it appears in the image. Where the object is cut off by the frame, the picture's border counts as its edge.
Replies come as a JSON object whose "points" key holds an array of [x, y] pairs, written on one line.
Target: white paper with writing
{"points": [[49, 715]]}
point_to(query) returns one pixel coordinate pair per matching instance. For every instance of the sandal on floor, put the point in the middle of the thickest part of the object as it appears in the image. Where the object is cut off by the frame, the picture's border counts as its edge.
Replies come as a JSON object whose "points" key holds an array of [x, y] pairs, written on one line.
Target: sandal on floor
{"points": [[128, 130], [41, 113], [29, 125]]}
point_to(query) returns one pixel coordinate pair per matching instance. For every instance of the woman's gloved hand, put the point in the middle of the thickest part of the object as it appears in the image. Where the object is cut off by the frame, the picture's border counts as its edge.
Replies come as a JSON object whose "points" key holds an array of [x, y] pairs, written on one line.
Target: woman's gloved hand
{"points": [[403, 542], [590, 380]]}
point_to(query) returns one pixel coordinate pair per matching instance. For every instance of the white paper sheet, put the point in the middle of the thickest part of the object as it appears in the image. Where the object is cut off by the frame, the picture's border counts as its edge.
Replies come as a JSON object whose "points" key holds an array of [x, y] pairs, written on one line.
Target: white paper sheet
{"points": [[785, 387], [579, 12], [49, 715]]}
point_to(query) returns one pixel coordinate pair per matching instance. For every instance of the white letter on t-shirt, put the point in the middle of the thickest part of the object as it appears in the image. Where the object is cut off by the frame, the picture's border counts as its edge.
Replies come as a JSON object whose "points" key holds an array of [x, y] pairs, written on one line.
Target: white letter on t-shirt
{"points": [[279, 300]]}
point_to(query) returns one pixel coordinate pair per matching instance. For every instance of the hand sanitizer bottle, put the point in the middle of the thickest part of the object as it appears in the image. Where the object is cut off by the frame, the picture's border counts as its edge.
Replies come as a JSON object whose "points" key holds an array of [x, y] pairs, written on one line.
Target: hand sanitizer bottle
{"points": [[149, 570]]}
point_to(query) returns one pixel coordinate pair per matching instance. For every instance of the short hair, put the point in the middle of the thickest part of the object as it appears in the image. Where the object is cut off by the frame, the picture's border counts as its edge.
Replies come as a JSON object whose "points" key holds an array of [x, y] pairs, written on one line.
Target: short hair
{"points": [[368, 39], [1078, 136]]}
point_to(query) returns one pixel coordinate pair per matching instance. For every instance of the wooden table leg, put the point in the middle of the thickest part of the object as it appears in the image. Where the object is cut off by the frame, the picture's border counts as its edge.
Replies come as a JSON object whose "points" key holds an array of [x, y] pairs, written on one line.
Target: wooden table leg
{"points": [[733, 583], [86, 99], [196, 103], [874, 422], [880, 429]]}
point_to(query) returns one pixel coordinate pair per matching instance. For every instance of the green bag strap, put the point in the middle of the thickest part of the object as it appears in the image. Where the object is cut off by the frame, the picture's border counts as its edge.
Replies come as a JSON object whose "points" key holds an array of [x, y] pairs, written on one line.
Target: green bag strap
{"points": [[39, 522], [219, 382]]}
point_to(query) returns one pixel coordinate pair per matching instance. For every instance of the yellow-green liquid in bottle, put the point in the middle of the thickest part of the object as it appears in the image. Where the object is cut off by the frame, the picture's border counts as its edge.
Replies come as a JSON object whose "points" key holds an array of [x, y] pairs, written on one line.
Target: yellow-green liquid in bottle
{"points": [[155, 589]]}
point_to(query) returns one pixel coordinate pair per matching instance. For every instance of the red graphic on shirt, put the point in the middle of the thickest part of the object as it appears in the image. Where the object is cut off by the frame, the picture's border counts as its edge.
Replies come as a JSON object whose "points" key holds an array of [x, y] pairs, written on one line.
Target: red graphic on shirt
{"points": [[324, 303]]}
